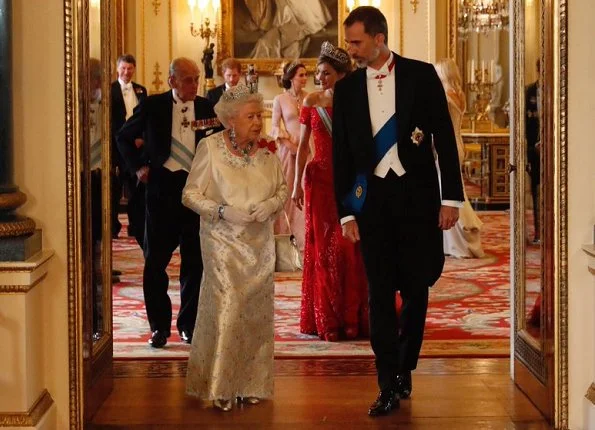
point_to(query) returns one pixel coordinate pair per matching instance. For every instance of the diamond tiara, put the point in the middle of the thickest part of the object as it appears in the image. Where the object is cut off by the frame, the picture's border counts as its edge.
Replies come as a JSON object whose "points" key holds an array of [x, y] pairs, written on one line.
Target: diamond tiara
{"points": [[328, 50], [235, 93], [291, 66]]}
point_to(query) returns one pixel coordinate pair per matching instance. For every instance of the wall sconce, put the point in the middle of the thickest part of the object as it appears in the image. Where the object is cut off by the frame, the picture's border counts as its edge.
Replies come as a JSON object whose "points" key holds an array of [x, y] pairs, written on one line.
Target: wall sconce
{"points": [[206, 33], [352, 4]]}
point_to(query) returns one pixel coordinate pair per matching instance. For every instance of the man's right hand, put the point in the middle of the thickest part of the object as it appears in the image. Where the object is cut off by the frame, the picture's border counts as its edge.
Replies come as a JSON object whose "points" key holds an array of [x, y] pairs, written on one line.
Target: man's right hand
{"points": [[351, 231], [143, 174]]}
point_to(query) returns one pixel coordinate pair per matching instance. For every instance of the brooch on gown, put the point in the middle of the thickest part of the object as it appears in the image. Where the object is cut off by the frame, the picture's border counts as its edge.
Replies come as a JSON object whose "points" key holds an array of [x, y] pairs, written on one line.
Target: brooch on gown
{"points": [[268, 144], [417, 136]]}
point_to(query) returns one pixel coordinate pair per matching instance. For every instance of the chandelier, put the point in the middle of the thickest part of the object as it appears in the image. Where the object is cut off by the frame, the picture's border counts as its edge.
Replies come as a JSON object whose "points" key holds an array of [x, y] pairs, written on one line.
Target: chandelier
{"points": [[482, 16]]}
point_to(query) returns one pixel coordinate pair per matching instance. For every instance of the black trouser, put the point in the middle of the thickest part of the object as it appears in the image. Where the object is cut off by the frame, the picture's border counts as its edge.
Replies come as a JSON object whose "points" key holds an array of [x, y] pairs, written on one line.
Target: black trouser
{"points": [[402, 249], [169, 224], [135, 207], [96, 241], [535, 177], [116, 194]]}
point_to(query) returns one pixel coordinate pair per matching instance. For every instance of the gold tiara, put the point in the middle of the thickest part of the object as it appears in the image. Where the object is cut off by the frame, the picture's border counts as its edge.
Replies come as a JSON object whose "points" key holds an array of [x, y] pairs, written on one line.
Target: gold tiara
{"points": [[328, 50], [238, 92]]}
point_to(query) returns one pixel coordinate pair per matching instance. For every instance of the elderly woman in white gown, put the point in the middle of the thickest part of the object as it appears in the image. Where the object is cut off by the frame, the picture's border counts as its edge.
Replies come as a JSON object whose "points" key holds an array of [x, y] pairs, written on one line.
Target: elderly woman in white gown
{"points": [[237, 186]]}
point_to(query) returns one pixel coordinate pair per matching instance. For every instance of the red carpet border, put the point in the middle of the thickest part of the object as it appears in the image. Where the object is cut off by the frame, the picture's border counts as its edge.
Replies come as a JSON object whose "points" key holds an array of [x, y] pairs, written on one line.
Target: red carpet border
{"points": [[469, 312]]}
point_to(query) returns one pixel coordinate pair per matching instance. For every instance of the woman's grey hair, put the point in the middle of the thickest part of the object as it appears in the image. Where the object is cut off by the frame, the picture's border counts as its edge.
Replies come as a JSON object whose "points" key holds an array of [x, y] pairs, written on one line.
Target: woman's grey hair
{"points": [[232, 100]]}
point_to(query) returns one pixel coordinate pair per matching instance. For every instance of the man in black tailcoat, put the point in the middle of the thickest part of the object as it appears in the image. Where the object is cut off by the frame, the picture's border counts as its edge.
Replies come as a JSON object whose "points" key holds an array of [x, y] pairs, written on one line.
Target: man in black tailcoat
{"points": [[172, 124], [387, 117], [125, 96]]}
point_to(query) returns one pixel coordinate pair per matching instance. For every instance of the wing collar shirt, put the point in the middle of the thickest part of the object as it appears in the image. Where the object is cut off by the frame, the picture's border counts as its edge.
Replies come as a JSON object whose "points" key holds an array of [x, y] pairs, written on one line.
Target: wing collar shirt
{"points": [[382, 105], [130, 100], [182, 135]]}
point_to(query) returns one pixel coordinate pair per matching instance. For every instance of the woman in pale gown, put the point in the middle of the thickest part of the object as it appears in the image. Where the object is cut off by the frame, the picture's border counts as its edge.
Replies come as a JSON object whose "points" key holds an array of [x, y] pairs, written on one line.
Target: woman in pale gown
{"points": [[463, 240], [286, 130], [288, 25], [237, 186]]}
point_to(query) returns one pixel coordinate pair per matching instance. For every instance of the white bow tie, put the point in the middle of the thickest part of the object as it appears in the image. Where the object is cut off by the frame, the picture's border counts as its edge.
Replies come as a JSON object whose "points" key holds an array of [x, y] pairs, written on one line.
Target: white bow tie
{"points": [[377, 74], [126, 87]]}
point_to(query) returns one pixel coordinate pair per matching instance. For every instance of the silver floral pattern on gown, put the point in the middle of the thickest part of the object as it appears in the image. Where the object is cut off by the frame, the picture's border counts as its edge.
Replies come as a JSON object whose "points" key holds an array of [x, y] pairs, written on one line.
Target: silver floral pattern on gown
{"points": [[233, 342]]}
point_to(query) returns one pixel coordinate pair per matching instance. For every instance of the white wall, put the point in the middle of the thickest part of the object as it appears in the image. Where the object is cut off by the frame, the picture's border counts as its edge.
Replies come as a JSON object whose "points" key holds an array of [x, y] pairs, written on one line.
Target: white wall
{"points": [[40, 172], [581, 208]]}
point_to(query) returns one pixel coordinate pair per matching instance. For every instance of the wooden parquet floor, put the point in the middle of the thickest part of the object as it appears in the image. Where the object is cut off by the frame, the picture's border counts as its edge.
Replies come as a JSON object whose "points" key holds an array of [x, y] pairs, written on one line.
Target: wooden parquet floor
{"points": [[325, 394]]}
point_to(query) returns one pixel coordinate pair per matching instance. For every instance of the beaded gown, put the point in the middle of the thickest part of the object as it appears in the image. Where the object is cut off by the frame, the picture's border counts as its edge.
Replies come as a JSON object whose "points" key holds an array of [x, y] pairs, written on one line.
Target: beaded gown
{"points": [[233, 342], [334, 285]]}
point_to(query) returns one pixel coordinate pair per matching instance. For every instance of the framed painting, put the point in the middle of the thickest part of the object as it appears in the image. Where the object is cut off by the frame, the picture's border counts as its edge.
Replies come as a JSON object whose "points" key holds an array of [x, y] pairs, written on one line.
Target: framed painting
{"points": [[267, 33]]}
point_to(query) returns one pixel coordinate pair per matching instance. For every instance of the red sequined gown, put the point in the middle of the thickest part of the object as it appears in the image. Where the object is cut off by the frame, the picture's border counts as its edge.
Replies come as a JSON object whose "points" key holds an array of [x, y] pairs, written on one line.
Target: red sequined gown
{"points": [[334, 286]]}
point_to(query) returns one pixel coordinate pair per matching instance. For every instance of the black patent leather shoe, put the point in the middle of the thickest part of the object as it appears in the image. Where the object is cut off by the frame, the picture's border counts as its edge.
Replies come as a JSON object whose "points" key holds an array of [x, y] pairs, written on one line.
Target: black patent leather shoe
{"points": [[186, 336], [387, 401], [404, 386], [158, 339]]}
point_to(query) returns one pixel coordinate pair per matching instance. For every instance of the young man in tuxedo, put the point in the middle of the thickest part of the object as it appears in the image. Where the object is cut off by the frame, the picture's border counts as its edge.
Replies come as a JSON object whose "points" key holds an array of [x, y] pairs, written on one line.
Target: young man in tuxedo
{"points": [[387, 116], [125, 96], [232, 70], [168, 122]]}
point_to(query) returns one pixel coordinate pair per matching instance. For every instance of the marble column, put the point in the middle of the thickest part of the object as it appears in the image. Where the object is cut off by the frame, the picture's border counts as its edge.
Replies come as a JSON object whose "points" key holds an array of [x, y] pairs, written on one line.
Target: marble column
{"points": [[19, 240], [11, 224]]}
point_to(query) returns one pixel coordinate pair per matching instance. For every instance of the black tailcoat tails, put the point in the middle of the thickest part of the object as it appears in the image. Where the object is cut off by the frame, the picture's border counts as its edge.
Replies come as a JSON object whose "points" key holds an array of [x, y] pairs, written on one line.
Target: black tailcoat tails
{"points": [[398, 222], [215, 94], [168, 222]]}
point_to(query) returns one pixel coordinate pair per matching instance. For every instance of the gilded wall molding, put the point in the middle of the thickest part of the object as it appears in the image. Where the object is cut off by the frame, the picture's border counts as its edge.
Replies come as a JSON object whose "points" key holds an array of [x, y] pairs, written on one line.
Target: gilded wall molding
{"points": [[561, 115], [451, 23], [401, 29], [591, 394], [72, 33], [414, 4], [32, 416], [157, 73], [19, 289], [156, 5]]}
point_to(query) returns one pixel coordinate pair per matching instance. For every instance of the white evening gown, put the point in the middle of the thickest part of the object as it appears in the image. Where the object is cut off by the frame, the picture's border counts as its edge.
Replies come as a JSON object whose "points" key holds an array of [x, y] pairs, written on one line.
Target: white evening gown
{"points": [[463, 240], [232, 347]]}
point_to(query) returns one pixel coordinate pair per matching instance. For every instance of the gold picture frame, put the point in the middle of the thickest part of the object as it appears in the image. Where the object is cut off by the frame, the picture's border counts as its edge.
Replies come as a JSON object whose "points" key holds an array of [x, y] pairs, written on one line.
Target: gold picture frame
{"points": [[240, 34]]}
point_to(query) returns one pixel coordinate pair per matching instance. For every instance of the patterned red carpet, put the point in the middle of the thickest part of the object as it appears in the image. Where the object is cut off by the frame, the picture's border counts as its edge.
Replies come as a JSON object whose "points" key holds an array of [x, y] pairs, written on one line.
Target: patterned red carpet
{"points": [[468, 315]]}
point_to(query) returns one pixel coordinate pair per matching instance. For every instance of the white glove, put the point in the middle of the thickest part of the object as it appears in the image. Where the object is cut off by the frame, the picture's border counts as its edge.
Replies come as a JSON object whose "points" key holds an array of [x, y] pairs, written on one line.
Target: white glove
{"points": [[237, 216], [263, 210]]}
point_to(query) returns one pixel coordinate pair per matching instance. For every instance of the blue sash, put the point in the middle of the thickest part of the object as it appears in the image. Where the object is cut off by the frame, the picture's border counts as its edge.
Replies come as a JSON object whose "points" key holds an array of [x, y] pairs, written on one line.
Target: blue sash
{"points": [[383, 141], [326, 119]]}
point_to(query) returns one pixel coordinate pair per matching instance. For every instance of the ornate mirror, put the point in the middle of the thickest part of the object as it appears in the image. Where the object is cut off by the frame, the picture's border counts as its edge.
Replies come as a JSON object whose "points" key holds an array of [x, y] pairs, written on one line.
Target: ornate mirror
{"points": [[539, 205], [479, 40], [87, 94], [530, 165]]}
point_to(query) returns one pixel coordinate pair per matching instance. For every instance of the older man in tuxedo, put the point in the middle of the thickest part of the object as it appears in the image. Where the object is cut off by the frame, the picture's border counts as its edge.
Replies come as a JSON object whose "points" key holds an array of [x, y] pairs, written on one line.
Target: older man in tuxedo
{"points": [[232, 70], [171, 125], [387, 117], [125, 96]]}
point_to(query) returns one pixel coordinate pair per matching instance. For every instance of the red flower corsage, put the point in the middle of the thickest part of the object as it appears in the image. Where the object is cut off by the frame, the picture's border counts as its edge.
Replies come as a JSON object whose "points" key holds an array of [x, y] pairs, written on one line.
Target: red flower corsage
{"points": [[269, 144]]}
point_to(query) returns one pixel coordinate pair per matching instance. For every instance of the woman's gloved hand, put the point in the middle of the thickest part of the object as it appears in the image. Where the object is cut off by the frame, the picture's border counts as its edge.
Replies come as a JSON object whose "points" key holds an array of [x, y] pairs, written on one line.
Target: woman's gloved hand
{"points": [[237, 216], [263, 210]]}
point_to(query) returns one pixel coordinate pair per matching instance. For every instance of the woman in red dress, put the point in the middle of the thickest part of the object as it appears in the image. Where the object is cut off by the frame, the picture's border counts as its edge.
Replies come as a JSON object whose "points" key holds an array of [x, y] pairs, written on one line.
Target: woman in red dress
{"points": [[334, 286]]}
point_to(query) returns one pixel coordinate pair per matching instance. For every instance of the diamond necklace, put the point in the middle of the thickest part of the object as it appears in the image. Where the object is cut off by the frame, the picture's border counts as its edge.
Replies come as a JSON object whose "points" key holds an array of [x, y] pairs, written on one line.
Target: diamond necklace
{"points": [[244, 151]]}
